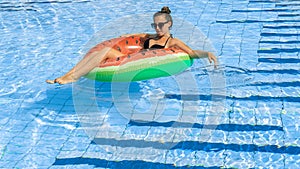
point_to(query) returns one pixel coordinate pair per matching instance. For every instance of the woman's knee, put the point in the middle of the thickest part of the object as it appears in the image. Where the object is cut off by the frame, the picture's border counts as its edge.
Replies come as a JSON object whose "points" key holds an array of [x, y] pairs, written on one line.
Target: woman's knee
{"points": [[111, 53], [106, 53]]}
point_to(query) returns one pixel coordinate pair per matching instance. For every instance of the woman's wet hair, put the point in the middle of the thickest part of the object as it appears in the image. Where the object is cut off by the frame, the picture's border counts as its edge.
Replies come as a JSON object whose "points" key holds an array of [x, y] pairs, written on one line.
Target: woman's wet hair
{"points": [[165, 11]]}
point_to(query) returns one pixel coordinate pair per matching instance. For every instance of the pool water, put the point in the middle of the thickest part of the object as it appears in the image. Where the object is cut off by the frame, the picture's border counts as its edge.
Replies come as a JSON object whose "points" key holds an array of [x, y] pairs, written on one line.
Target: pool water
{"points": [[245, 114]]}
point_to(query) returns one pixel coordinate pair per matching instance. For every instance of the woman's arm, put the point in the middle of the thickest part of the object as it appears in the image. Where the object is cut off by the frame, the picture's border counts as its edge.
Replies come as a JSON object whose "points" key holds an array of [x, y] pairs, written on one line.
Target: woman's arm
{"points": [[203, 54], [193, 53]]}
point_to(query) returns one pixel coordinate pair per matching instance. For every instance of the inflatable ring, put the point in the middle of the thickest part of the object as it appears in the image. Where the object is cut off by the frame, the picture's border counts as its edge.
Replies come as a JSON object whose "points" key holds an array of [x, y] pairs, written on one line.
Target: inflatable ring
{"points": [[137, 64]]}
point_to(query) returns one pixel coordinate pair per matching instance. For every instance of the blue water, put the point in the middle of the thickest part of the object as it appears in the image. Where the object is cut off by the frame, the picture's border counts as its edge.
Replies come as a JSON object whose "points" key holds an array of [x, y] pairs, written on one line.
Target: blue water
{"points": [[245, 114]]}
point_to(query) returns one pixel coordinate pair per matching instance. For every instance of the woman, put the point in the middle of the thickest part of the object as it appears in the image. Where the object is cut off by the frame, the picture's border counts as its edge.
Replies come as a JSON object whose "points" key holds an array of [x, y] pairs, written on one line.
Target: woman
{"points": [[162, 39]]}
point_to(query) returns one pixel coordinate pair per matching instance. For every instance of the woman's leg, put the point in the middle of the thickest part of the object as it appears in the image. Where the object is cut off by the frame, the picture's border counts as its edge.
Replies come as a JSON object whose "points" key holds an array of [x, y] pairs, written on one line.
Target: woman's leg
{"points": [[86, 65]]}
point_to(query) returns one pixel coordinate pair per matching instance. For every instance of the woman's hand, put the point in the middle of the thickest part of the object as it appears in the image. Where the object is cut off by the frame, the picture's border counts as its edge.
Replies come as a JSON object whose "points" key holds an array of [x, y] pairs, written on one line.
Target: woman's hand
{"points": [[212, 58], [202, 54]]}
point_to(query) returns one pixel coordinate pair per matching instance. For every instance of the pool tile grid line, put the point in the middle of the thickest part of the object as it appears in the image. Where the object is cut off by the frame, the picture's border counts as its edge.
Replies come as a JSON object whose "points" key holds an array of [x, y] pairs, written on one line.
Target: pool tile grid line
{"points": [[201, 146], [31, 151], [278, 126], [109, 142], [33, 146], [273, 50], [66, 160], [275, 18]]}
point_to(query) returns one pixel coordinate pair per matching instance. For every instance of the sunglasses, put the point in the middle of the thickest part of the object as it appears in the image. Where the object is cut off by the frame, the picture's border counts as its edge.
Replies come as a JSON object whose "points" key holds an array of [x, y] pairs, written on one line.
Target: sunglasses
{"points": [[160, 25]]}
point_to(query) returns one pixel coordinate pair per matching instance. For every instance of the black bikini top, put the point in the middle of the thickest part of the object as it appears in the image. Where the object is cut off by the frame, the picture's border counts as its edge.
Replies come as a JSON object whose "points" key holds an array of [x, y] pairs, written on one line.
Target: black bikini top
{"points": [[155, 46]]}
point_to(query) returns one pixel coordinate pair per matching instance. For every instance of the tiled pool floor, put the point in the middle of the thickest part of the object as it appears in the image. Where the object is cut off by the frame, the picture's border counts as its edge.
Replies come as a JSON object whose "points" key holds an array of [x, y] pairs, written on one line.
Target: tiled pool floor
{"points": [[74, 126]]}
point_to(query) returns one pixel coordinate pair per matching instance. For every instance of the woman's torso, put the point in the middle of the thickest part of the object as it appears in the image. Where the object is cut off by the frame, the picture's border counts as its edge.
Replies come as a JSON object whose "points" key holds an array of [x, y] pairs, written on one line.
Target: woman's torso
{"points": [[155, 45]]}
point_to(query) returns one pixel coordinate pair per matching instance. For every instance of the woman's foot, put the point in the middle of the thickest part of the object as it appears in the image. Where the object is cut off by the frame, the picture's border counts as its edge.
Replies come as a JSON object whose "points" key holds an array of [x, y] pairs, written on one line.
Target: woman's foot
{"points": [[62, 80]]}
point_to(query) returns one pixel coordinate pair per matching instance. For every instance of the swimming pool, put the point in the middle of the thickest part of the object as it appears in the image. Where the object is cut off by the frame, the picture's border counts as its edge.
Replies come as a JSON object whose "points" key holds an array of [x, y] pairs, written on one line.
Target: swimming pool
{"points": [[164, 126]]}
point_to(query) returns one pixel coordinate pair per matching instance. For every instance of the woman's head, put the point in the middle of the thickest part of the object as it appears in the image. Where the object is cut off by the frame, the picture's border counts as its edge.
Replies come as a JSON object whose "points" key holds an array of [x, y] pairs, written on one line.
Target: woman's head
{"points": [[162, 21]]}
